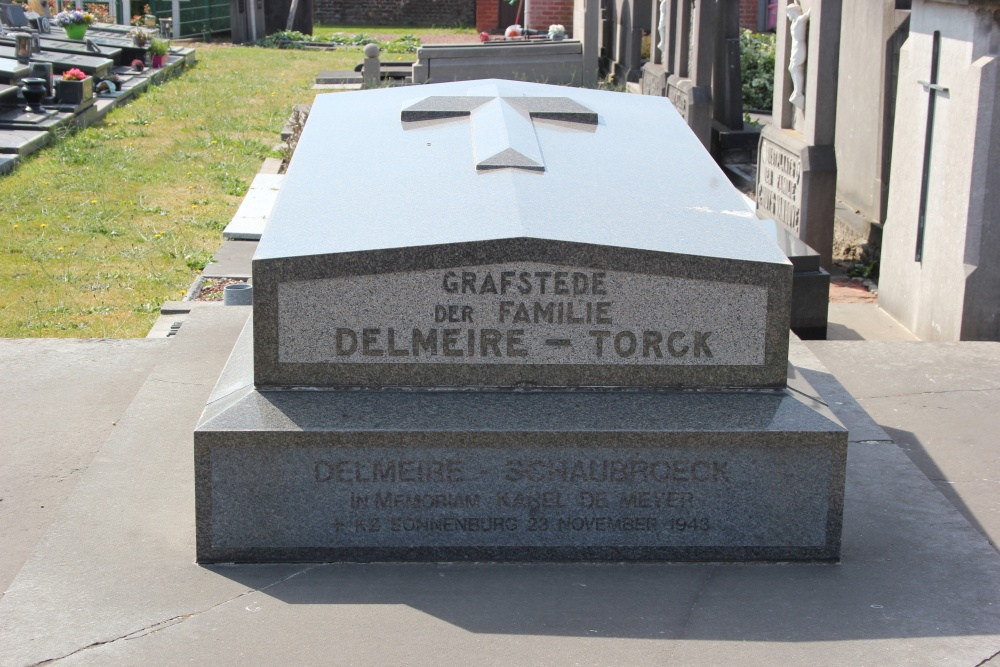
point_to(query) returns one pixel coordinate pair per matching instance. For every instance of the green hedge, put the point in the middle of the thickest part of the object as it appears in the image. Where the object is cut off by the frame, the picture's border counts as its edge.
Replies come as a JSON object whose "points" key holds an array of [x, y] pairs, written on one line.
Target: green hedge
{"points": [[757, 69]]}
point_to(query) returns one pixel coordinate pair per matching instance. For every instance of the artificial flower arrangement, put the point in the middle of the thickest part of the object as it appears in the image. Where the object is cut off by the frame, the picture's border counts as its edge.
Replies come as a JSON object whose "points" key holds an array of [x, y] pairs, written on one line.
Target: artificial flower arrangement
{"points": [[73, 74], [74, 17], [557, 29], [140, 36]]}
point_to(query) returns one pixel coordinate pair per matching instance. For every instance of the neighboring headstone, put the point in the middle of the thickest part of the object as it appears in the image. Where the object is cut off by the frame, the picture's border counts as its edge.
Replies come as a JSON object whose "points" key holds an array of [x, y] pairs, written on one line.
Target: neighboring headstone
{"points": [[248, 21], [505, 361], [546, 61], [683, 65], [871, 35], [625, 24], [796, 165], [939, 274]]}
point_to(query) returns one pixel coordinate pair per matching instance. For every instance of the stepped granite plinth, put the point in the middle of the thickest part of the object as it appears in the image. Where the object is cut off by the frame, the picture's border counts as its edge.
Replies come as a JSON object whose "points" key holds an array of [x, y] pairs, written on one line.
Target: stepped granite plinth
{"points": [[503, 362]]}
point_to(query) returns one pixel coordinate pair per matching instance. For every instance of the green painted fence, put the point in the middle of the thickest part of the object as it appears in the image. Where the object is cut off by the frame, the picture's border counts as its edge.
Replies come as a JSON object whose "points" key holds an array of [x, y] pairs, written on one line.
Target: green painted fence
{"points": [[197, 17]]}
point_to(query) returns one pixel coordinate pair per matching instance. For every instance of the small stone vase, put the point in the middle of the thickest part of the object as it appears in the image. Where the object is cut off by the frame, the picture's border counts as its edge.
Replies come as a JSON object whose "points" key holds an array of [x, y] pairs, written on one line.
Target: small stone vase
{"points": [[33, 89]]}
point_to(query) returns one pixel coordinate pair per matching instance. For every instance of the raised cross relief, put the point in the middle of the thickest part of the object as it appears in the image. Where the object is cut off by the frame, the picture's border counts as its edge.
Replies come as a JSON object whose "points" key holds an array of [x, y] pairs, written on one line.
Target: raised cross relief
{"points": [[503, 132]]}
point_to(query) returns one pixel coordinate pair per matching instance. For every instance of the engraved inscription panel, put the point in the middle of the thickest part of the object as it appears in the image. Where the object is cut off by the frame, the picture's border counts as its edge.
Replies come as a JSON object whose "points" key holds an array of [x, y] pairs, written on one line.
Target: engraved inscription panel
{"points": [[364, 497], [525, 313], [779, 185], [679, 98]]}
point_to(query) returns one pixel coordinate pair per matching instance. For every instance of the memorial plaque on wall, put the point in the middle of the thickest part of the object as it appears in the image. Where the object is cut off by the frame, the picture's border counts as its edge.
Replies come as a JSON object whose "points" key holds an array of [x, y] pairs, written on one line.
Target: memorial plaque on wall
{"points": [[779, 180]]}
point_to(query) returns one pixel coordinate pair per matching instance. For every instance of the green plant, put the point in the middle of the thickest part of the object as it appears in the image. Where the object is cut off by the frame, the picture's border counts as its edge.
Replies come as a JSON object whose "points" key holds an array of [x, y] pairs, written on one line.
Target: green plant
{"points": [[860, 270], [404, 44], [158, 47], [757, 69]]}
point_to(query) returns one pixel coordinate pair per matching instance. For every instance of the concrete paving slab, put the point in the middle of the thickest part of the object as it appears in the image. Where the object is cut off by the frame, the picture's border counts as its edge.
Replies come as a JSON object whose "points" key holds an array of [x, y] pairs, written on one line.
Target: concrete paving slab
{"points": [[864, 321], [61, 398], [939, 402], [232, 260], [113, 581], [251, 217], [271, 165], [121, 504]]}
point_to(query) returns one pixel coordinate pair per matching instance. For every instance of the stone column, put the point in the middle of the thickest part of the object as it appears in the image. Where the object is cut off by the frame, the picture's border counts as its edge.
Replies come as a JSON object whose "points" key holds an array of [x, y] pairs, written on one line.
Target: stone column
{"points": [[727, 88], [796, 164], [944, 283], [661, 47], [371, 68], [587, 29], [690, 86]]}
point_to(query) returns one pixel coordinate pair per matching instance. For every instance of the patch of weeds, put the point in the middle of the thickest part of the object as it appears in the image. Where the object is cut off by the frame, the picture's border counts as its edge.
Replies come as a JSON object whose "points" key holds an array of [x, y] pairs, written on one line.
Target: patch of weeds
{"points": [[197, 261], [231, 183], [869, 271], [100, 227]]}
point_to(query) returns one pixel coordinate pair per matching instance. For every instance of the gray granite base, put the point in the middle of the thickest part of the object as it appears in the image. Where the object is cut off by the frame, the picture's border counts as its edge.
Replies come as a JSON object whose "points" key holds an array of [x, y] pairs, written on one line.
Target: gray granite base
{"points": [[425, 475]]}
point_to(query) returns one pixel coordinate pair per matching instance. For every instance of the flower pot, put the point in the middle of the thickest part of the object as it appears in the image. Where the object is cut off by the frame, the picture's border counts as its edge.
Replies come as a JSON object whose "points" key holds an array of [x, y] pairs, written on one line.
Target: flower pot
{"points": [[149, 20], [159, 61], [75, 92], [76, 30]]}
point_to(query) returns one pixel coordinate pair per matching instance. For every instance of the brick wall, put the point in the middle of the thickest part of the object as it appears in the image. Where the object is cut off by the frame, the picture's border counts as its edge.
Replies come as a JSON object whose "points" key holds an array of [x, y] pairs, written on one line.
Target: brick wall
{"points": [[487, 15], [544, 13], [748, 14], [395, 12]]}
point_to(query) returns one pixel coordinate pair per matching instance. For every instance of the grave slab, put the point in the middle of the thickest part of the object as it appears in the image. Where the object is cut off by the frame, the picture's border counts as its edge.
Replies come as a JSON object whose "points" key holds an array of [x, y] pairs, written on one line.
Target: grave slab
{"points": [[11, 70], [8, 163], [23, 142], [428, 384], [251, 217], [94, 65], [19, 119], [231, 260], [699, 241]]}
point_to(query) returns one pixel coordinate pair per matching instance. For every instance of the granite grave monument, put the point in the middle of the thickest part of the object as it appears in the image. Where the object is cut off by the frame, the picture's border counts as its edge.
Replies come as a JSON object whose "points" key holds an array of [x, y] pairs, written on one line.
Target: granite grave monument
{"points": [[504, 361]]}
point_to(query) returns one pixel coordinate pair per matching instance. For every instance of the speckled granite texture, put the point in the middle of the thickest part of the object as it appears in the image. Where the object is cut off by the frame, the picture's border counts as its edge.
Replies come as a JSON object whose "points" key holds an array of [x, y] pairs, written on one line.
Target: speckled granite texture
{"points": [[303, 304], [371, 475], [338, 259]]}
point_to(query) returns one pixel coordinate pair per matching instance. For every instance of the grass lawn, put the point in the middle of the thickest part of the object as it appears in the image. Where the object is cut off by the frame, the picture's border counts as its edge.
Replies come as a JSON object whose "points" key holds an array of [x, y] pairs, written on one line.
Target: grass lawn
{"points": [[97, 230]]}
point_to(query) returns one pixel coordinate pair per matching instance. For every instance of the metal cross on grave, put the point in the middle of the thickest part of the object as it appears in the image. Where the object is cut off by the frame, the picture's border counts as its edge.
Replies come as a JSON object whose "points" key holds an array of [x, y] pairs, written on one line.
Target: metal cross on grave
{"points": [[933, 88], [502, 131]]}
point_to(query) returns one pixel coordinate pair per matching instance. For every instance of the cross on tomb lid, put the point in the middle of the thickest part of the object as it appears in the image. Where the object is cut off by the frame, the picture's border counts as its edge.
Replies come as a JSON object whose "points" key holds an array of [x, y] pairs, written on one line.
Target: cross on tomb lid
{"points": [[503, 134]]}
